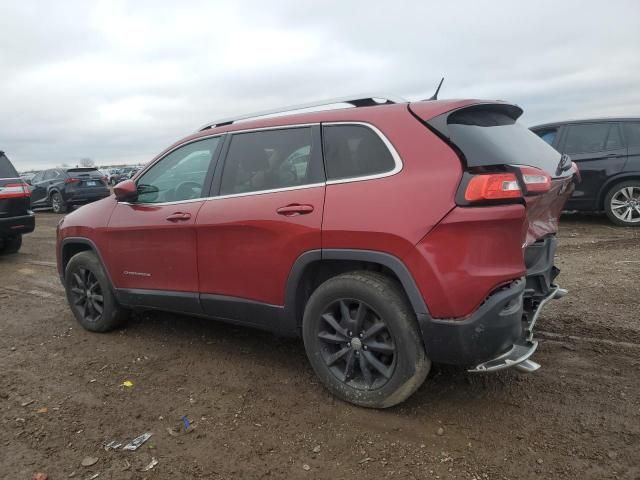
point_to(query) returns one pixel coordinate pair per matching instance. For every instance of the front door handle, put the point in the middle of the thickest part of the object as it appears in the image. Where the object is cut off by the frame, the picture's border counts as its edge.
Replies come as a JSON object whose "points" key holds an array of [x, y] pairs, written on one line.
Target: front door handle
{"points": [[295, 209], [178, 216]]}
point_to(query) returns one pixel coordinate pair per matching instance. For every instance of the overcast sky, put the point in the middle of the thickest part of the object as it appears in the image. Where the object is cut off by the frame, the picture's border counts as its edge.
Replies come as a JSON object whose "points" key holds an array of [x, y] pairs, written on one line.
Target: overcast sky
{"points": [[118, 81]]}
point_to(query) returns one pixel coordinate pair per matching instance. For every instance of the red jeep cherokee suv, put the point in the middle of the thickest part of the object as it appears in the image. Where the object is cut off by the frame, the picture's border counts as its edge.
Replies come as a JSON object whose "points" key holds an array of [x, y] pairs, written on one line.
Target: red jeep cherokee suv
{"points": [[389, 235]]}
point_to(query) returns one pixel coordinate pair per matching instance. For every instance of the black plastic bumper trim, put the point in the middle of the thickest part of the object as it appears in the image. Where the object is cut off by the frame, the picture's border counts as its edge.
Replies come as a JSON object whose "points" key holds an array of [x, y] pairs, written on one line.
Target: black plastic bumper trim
{"points": [[490, 331], [17, 225]]}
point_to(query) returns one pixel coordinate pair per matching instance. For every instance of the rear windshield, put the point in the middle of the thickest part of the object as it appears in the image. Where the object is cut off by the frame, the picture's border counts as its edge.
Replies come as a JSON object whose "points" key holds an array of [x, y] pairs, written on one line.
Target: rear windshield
{"points": [[487, 136], [90, 171], [6, 169]]}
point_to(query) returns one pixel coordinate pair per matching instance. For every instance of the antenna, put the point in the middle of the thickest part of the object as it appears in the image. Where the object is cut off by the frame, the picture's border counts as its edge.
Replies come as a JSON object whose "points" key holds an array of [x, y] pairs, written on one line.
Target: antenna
{"points": [[435, 95]]}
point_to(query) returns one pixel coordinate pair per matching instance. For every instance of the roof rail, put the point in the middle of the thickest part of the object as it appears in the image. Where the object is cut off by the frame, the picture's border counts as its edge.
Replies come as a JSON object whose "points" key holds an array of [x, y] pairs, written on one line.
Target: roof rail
{"points": [[356, 101]]}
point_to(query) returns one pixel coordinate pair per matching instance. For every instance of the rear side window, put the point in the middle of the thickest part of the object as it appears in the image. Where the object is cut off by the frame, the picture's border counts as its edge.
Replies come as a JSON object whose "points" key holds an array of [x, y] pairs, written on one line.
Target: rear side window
{"points": [[51, 174], [354, 151], [6, 169], [632, 133], [270, 159], [586, 138]]}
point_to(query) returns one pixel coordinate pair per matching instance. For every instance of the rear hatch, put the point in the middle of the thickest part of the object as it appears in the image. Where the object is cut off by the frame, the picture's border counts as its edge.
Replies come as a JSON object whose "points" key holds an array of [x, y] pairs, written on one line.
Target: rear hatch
{"points": [[86, 180], [489, 140], [14, 192]]}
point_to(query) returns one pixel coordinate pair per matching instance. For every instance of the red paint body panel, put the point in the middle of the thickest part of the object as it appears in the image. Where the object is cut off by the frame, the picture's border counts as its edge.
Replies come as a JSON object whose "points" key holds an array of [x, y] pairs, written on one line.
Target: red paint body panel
{"points": [[391, 214], [158, 253], [89, 221], [470, 253], [543, 211], [246, 249]]}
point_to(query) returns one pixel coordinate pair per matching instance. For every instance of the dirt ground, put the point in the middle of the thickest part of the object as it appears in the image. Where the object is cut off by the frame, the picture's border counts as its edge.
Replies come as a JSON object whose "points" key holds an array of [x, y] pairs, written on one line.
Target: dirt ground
{"points": [[259, 411]]}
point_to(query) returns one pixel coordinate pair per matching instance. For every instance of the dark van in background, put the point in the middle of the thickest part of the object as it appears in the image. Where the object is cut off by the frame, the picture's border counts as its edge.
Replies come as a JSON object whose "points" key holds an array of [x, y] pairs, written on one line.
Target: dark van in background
{"points": [[16, 218], [607, 151]]}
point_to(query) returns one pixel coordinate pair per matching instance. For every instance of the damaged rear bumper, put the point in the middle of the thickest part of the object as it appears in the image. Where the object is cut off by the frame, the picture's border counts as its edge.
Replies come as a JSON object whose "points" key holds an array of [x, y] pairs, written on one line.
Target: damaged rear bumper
{"points": [[499, 334]]}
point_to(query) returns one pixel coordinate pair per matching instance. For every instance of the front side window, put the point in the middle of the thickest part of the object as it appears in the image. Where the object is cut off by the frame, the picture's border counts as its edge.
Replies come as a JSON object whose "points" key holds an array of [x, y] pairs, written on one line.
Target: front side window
{"points": [[587, 138], [548, 135], [180, 175], [354, 151], [269, 159]]}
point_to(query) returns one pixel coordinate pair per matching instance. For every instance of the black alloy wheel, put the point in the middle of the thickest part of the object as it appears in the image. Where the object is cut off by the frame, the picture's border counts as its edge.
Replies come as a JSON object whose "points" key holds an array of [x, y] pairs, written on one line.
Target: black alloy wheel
{"points": [[357, 346], [86, 295]]}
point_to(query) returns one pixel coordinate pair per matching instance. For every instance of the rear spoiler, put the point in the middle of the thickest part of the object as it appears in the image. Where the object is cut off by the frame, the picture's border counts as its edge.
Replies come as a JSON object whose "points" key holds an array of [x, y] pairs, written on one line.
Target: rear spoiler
{"points": [[475, 114]]}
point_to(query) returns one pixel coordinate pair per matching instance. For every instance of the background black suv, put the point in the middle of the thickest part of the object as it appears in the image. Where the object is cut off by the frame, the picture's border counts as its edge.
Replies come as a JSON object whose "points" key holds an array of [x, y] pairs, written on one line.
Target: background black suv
{"points": [[60, 188], [607, 152], [15, 216]]}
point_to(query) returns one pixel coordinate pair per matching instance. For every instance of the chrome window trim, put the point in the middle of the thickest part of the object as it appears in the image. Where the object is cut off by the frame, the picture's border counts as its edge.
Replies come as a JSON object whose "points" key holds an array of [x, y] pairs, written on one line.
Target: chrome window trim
{"points": [[394, 154], [231, 195]]}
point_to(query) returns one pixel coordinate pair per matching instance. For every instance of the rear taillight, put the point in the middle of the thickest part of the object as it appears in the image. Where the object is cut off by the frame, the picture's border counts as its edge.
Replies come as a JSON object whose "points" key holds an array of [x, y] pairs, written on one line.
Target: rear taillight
{"points": [[535, 180], [72, 180], [15, 190], [492, 186], [505, 186]]}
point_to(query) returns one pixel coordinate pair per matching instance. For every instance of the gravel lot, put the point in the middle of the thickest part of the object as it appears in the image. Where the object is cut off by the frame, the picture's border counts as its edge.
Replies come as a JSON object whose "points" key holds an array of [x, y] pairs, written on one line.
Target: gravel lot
{"points": [[260, 413]]}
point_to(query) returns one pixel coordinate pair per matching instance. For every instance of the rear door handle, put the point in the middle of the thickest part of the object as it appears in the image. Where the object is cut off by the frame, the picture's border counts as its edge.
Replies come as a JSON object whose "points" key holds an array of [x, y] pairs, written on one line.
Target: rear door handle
{"points": [[294, 209], [178, 216]]}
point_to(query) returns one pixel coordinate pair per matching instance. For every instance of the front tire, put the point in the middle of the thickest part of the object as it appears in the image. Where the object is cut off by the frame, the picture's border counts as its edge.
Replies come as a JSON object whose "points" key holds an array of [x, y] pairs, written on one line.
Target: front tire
{"points": [[90, 295], [57, 203], [11, 244], [622, 204], [363, 341]]}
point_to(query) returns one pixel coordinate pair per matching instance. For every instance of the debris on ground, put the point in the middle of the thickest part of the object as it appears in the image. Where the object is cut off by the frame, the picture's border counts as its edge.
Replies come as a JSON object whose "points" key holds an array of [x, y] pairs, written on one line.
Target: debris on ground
{"points": [[42, 410], [316, 449], [89, 461], [152, 464], [27, 403], [137, 442], [440, 431], [127, 384], [112, 445], [306, 467], [40, 476], [92, 477]]}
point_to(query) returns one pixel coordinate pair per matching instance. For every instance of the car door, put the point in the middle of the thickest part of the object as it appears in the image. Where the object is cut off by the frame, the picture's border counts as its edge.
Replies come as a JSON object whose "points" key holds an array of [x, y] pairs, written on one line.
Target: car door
{"points": [[267, 213], [152, 241], [41, 182], [600, 153], [36, 192]]}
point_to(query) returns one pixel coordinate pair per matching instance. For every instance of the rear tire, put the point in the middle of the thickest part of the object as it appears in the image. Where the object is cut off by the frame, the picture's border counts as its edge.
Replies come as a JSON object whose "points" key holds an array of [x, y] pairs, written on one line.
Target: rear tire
{"points": [[90, 295], [363, 341], [11, 244], [57, 203], [622, 203]]}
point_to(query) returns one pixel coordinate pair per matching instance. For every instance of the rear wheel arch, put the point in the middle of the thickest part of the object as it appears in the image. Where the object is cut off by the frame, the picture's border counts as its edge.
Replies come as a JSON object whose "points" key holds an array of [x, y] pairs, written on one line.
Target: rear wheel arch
{"points": [[613, 183], [315, 267]]}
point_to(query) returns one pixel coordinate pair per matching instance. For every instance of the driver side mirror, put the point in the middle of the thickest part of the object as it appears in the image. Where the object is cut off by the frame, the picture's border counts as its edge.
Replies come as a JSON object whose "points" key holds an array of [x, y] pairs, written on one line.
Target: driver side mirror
{"points": [[126, 191]]}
